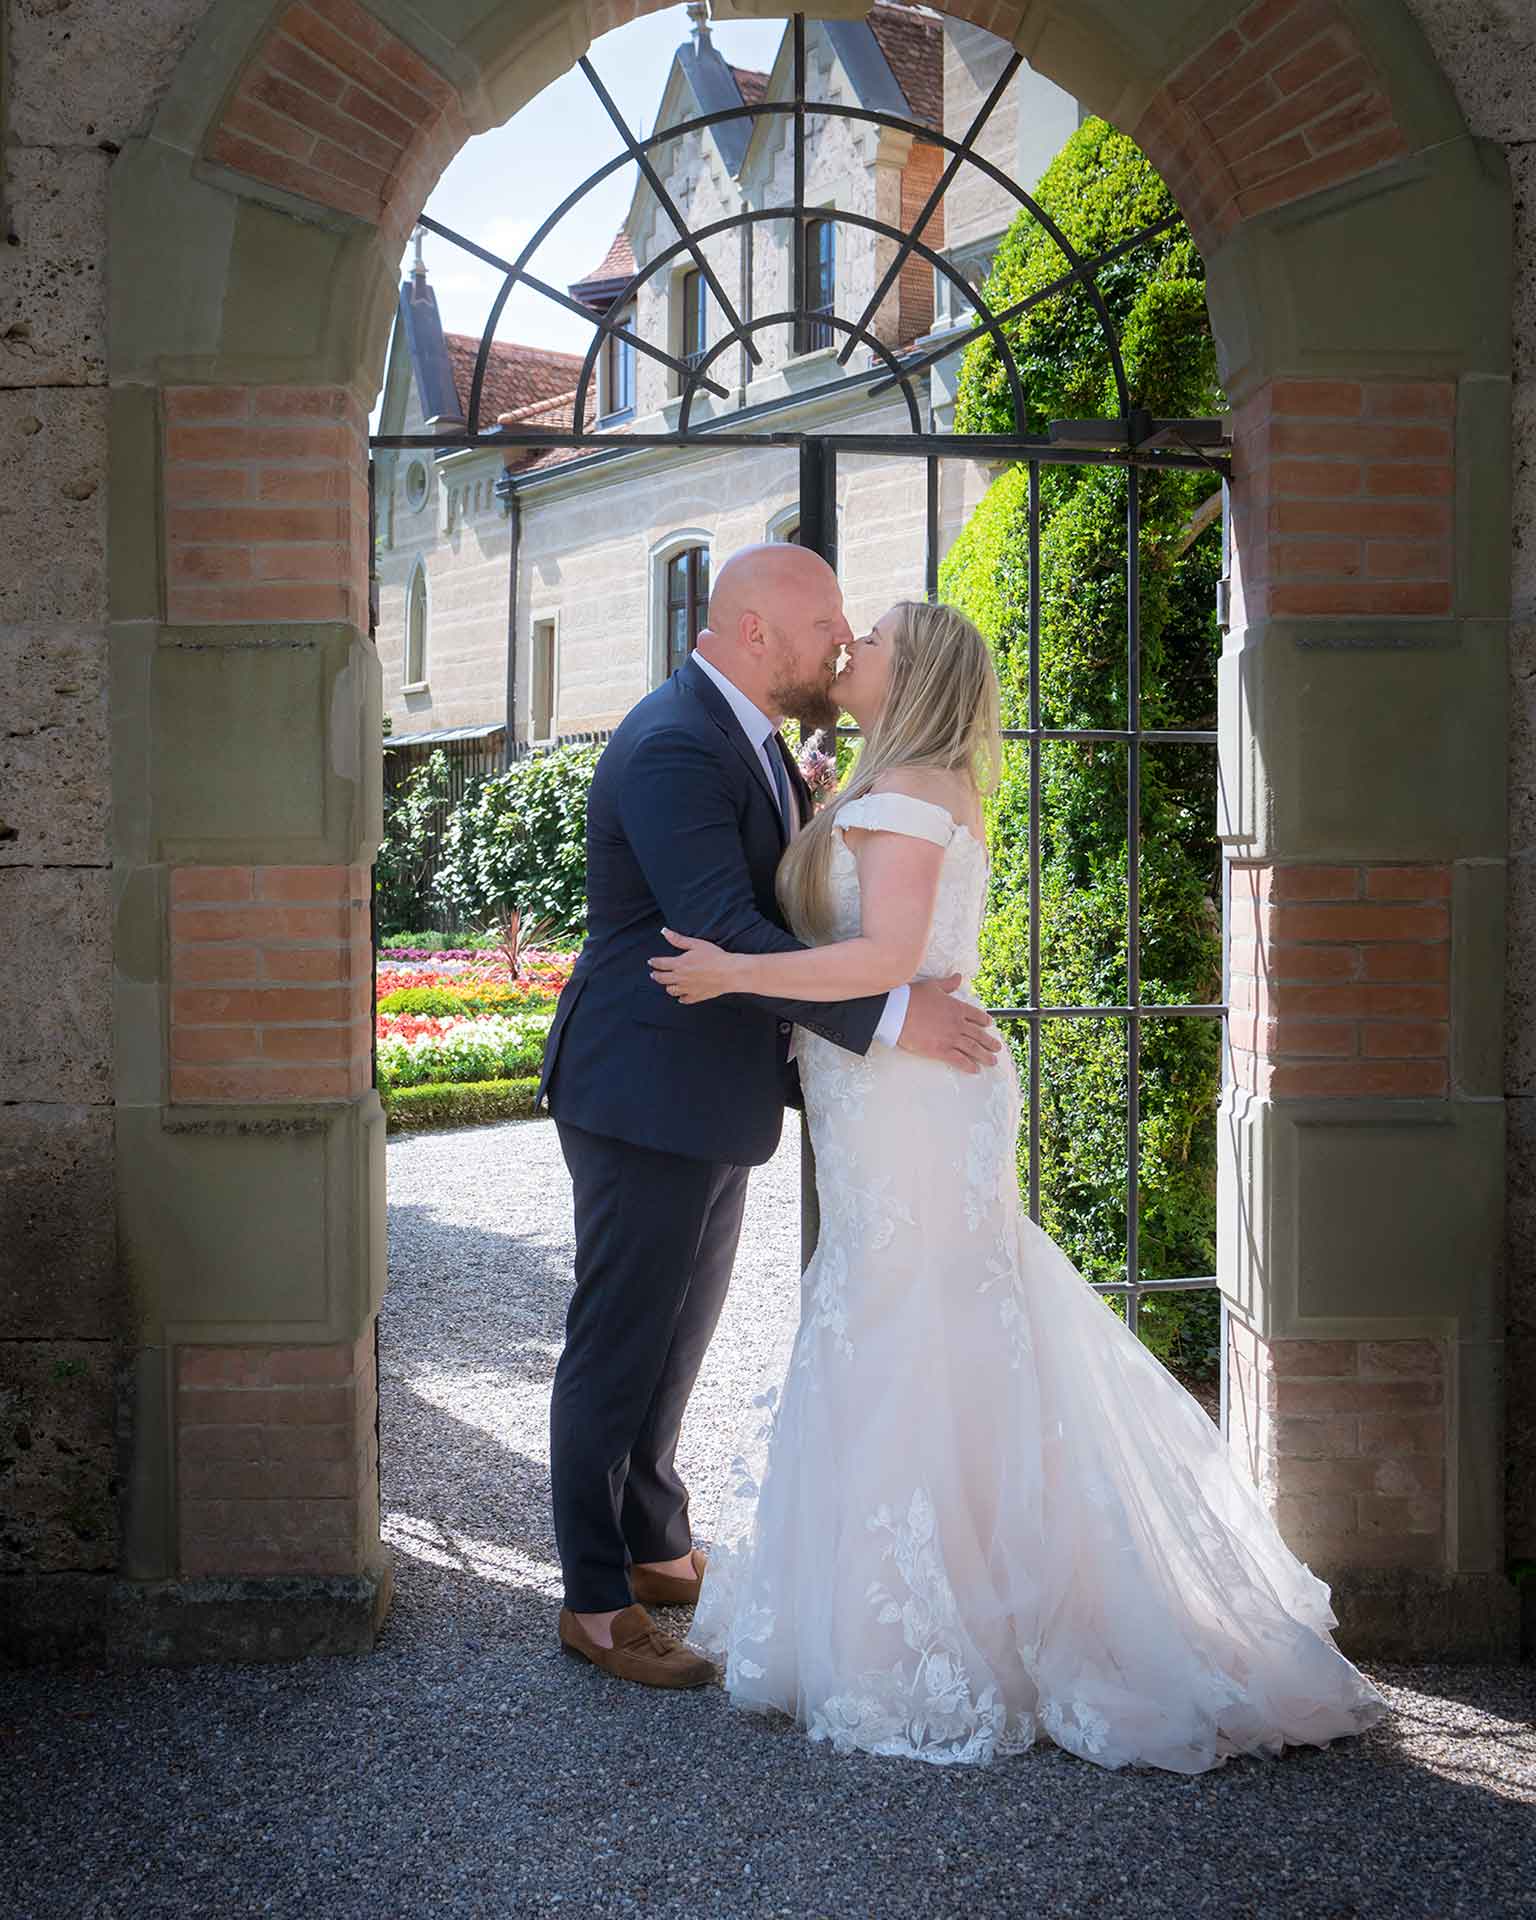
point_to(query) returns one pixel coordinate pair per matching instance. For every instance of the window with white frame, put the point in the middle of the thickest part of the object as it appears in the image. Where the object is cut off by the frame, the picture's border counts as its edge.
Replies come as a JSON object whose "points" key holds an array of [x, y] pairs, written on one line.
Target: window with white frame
{"points": [[416, 631], [685, 603], [692, 297], [813, 333], [541, 681], [619, 368]]}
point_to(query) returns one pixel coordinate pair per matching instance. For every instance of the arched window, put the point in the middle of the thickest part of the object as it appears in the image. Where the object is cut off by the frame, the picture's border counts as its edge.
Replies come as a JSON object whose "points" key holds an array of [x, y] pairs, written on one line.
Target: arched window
{"points": [[416, 630], [687, 603], [820, 285]]}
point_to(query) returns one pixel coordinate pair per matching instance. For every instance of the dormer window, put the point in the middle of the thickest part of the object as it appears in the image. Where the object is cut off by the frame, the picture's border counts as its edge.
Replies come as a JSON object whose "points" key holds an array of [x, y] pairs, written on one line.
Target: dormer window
{"points": [[619, 368], [811, 333], [694, 341]]}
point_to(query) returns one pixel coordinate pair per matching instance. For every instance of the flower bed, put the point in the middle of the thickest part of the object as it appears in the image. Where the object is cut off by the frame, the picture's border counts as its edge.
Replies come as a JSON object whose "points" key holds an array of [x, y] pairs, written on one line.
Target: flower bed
{"points": [[459, 1039], [490, 1046]]}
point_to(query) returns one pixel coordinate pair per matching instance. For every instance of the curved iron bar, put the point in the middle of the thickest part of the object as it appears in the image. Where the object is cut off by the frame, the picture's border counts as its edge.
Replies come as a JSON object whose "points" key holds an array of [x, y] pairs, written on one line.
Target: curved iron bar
{"points": [[750, 216], [528, 279], [659, 187], [1080, 270], [941, 187], [898, 372], [1062, 284]]}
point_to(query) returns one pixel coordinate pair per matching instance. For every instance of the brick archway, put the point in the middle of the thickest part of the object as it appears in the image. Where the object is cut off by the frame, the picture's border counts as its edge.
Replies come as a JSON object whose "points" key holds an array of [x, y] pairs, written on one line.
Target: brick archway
{"points": [[1315, 151]]}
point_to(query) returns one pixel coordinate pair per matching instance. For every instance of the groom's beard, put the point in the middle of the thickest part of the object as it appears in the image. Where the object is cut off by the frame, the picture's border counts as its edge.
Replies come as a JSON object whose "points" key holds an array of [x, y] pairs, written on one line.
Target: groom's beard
{"points": [[812, 705]]}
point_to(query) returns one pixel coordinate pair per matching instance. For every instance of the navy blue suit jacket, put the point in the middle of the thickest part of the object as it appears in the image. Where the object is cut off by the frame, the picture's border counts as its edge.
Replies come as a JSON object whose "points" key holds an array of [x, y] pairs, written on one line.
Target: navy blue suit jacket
{"points": [[684, 831]]}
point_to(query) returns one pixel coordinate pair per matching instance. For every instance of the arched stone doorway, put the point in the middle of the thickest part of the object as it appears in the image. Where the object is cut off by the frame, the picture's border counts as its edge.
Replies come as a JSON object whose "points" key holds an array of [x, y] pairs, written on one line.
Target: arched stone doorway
{"points": [[1358, 261]]}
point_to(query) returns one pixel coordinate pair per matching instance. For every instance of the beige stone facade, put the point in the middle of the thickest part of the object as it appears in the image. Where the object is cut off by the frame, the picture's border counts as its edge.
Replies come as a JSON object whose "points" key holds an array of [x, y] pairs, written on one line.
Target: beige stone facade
{"points": [[593, 541]]}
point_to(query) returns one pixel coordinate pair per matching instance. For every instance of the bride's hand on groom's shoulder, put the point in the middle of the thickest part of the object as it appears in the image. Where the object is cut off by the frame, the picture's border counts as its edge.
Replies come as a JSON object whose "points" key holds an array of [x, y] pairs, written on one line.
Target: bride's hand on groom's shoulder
{"points": [[940, 1027], [697, 971]]}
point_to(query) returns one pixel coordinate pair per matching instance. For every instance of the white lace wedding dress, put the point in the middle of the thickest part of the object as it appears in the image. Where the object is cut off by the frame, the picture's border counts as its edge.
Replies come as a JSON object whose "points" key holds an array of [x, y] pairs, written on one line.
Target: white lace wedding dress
{"points": [[980, 1512]]}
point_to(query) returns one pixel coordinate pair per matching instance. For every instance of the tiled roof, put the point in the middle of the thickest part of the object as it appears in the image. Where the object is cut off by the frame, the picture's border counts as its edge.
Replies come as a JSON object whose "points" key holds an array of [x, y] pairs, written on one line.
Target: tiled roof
{"points": [[617, 264], [914, 49], [554, 412], [752, 85], [515, 376]]}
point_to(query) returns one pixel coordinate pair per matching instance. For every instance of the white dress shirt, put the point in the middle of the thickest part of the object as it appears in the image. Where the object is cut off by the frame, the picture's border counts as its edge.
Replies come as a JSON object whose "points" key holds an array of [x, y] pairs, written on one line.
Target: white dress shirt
{"points": [[760, 729]]}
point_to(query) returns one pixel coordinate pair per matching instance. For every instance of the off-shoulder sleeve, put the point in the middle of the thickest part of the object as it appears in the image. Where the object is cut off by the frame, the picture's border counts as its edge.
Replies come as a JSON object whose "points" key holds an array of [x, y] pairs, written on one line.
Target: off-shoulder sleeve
{"points": [[899, 813]]}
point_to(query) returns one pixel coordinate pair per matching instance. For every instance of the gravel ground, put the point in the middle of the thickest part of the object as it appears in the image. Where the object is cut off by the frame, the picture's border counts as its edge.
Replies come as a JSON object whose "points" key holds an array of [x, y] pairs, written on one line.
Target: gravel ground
{"points": [[468, 1768]]}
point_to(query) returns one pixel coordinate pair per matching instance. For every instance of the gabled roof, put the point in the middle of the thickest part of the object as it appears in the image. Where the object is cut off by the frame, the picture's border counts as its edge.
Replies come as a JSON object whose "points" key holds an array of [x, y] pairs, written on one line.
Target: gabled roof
{"points": [[609, 277], [443, 364], [422, 327], [914, 51], [515, 376], [716, 85], [554, 412], [894, 60], [751, 85]]}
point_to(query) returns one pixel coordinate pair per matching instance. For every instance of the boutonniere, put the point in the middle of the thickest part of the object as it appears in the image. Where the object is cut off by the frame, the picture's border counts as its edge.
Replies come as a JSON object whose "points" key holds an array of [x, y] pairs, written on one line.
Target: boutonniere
{"points": [[818, 768]]}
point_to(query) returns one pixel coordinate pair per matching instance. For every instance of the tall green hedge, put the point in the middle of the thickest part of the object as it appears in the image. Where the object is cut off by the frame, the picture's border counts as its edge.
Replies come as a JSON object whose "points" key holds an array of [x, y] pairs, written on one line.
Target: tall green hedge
{"points": [[1100, 190]]}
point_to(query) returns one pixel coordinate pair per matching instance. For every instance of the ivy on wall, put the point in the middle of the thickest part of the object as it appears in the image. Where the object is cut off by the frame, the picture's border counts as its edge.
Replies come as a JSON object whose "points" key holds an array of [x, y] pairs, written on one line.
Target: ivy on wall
{"points": [[1100, 190]]}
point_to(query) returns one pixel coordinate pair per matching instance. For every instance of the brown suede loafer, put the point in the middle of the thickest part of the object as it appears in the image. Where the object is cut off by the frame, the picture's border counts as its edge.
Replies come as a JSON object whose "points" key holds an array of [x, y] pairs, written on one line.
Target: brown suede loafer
{"points": [[640, 1651], [665, 1589]]}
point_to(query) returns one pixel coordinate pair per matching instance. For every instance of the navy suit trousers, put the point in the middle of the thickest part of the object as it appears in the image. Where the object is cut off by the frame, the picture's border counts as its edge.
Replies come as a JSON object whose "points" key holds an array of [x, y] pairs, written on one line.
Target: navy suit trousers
{"points": [[656, 1234]]}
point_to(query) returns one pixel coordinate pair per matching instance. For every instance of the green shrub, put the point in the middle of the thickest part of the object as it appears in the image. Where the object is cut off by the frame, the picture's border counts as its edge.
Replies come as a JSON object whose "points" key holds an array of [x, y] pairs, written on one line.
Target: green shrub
{"points": [[465, 1105], [438, 1002], [1100, 190], [519, 839], [439, 942], [413, 820], [445, 1003]]}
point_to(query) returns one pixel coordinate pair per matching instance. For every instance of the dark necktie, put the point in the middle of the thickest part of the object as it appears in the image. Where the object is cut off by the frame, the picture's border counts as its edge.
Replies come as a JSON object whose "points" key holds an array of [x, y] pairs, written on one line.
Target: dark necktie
{"points": [[776, 753]]}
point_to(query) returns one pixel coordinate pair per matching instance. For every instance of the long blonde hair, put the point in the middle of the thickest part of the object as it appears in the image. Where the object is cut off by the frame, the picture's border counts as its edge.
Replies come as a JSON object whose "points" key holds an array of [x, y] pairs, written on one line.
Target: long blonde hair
{"points": [[941, 711]]}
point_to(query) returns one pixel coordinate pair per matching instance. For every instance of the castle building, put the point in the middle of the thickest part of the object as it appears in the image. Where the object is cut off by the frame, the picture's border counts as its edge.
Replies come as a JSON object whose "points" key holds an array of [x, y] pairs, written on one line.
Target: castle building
{"points": [[557, 586]]}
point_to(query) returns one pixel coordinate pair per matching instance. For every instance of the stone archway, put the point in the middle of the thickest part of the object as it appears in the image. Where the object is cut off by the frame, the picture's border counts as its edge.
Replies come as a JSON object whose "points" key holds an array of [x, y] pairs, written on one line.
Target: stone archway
{"points": [[1357, 244]]}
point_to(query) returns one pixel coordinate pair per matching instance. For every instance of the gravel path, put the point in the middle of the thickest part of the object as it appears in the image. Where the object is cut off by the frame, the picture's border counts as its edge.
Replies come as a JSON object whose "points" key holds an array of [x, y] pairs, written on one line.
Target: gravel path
{"points": [[468, 1768]]}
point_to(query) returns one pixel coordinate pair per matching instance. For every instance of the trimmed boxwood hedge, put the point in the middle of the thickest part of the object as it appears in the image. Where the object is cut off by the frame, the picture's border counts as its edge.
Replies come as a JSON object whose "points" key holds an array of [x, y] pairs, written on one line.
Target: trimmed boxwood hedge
{"points": [[1100, 190], [460, 1104]]}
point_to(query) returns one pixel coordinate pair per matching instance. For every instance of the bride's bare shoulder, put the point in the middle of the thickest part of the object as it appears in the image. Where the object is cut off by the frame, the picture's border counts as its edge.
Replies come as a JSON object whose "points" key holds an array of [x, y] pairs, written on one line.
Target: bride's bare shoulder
{"points": [[952, 791]]}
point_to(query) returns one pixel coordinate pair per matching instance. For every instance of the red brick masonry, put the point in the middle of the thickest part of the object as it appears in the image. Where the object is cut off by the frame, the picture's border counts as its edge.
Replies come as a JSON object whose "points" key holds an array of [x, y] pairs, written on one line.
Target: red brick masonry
{"points": [[1347, 1440], [338, 109], [1340, 980], [276, 1458], [1343, 498], [271, 983], [266, 505], [1281, 104]]}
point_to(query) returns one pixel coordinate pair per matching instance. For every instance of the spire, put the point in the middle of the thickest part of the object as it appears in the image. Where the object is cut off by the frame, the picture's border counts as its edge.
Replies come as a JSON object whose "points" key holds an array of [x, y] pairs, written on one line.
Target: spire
{"points": [[698, 13], [419, 265]]}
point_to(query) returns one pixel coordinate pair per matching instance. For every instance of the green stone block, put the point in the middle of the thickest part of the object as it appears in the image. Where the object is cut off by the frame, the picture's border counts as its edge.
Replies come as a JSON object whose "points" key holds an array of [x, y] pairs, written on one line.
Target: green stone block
{"points": [[252, 1224]]}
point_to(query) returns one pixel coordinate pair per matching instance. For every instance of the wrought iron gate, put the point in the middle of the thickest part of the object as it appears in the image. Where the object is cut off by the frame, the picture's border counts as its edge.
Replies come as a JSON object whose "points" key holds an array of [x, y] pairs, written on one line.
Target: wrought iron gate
{"points": [[1131, 439]]}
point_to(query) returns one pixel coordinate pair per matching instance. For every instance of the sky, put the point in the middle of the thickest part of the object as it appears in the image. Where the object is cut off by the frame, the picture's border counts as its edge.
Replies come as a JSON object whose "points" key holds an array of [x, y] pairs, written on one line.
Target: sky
{"points": [[503, 184]]}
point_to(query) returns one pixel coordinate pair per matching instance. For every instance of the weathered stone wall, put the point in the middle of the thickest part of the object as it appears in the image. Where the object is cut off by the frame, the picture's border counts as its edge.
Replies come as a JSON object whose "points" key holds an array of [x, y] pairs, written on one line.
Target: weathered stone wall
{"points": [[1487, 49], [83, 77]]}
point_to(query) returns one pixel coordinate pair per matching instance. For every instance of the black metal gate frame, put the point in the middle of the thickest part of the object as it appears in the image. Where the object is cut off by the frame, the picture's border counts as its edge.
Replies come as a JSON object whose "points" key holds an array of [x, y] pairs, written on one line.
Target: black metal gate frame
{"points": [[1132, 439]]}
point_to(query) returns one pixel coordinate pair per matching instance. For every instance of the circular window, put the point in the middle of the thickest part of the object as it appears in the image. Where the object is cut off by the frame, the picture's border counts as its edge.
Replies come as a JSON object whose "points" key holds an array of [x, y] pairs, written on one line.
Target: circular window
{"points": [[416, 485]]}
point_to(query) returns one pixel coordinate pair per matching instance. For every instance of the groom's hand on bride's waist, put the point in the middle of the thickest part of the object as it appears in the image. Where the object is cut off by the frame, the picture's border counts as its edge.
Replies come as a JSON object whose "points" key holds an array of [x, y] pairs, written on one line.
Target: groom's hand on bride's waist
{"points": [[940, 1027]]}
